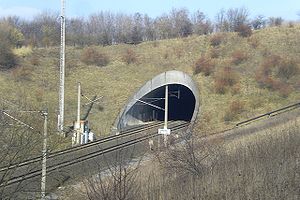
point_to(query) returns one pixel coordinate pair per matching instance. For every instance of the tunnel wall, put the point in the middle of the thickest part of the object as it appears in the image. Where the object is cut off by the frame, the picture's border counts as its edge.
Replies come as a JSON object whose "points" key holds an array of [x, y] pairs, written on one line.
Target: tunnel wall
{"points": [[166, 78]]}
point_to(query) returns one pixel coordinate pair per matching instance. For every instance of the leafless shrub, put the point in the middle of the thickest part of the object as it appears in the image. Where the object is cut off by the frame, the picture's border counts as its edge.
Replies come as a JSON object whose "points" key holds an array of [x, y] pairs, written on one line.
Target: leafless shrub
{"points": [[22, 73], [287, 68], [216, 39], [284, 69], [91, 56], [117, 182], [236, 107], [291, 24], [238, 57], [34, 60], [178, 52], [7, 59], [225, 79], [166, 55], [215, 53], [129, 56], [17, 144], [244, 30], [253, 41], [262, 168], [204, 65]]}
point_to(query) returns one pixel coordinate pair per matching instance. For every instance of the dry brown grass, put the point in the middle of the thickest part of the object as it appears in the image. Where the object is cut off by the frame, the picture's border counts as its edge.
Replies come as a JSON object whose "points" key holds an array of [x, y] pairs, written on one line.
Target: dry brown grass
{"points": [[235, 108], [91, 56], [216, 39], [244, 30], [283, 69], [259, 166], [204, 65], [225, 79], [129, 56], [238, 57]]}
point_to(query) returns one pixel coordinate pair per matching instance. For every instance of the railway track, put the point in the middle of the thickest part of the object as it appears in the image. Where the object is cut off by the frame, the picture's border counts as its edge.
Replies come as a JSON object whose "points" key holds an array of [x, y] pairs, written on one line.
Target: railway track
{"points": [[61, 159], [122, 134]]}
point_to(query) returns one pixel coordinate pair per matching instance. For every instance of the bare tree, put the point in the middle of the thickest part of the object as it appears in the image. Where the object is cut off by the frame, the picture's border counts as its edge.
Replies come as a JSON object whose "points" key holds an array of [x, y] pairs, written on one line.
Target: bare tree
{"points": [[221, 23], [137, 29], [163, 27], [201, 24], [275, 21], [76, 29], [259, 22], [231, 19], [117, 181], [124, 27], [17, 143], [181, 23], [149, 32]]}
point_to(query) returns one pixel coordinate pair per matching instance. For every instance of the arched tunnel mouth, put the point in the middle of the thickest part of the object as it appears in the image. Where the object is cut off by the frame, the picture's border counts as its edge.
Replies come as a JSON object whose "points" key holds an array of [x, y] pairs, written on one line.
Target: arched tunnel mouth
{"points": [[181, 105]]}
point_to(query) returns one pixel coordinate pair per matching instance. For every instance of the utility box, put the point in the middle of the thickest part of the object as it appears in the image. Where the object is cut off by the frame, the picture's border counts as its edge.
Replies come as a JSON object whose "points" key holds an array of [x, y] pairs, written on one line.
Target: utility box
{"points": [[82, 133]]}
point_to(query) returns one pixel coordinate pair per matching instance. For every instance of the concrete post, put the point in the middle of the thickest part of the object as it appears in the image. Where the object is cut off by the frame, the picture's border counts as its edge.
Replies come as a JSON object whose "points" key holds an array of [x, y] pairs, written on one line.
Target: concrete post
{"points": [[166, 107], [78, 114], [166, 114], [44, 160]]}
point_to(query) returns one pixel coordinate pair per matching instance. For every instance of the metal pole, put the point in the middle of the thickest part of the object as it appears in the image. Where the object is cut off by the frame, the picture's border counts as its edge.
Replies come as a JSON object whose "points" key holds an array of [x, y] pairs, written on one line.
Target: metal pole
{"points": [[78, 114], [62, 69], [44, 154], [166, 113], [166, 107]]}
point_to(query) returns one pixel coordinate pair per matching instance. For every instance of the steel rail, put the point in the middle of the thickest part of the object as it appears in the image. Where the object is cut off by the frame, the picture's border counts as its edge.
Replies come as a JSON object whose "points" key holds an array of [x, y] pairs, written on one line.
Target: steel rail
{"points": [[294, 106], [82, 158], [126, 133], [130, 142]]}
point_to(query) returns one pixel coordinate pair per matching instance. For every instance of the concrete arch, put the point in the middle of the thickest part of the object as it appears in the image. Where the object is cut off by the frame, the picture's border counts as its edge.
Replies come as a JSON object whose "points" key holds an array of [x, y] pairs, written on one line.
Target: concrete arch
{"points": [[134, 114]]}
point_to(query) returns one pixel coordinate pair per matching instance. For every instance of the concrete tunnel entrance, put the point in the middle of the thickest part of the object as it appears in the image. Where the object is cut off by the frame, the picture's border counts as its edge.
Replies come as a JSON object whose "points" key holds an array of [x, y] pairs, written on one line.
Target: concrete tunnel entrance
{"points": [[148, 103], [181, 105]]}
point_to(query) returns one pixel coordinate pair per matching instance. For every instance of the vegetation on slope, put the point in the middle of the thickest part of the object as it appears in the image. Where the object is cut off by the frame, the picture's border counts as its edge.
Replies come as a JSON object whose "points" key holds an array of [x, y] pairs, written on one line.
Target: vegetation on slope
{"points": [[261, 165], [234, 63]]}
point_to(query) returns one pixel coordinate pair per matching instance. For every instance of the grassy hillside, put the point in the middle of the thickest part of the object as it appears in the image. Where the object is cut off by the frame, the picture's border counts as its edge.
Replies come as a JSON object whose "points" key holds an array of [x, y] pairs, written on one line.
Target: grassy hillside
{"points": [[261, 165], [34, 83]]}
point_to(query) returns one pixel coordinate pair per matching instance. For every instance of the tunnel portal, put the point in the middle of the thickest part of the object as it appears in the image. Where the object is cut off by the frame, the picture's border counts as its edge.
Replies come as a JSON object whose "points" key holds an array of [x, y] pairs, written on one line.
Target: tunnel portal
{"points": [[150, 107], [148, 103]]}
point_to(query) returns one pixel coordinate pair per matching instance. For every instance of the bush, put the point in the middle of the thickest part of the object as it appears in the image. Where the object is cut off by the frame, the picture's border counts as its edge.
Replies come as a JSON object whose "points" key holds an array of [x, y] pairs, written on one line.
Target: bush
{"points": [[216, 39], [235, 108], [284, 68], [129, 56], [287, 68], [238, 57], [264, 71], [166, 55], [178, 52], [220, 88], [7, 58], [244, 30], [284, 90], [236, 89], [225, 79], [254, 42], [215, 53], [271, 61], [266, 81], [204, 65], [22, 74], [34, 60], [91, 56]]}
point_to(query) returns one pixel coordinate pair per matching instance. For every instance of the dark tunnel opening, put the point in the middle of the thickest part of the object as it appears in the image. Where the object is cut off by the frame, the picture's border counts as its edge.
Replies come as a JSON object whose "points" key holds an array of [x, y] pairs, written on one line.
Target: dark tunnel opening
{"points": [[181, 105]]}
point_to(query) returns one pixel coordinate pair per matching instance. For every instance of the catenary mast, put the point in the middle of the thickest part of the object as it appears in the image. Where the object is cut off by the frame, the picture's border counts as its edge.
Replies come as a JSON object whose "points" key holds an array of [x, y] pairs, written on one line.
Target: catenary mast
{"points": [[62, 69]]}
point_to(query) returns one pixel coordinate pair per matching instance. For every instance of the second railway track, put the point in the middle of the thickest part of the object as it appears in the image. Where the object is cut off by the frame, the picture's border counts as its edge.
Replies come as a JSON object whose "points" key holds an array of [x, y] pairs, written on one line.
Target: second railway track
{"points": [[59, 160]]}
